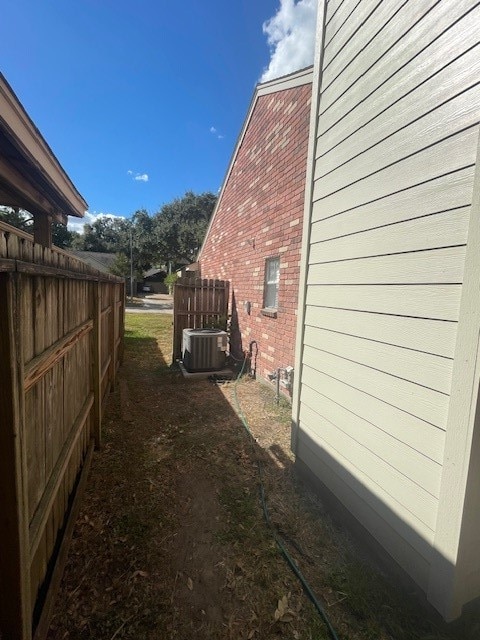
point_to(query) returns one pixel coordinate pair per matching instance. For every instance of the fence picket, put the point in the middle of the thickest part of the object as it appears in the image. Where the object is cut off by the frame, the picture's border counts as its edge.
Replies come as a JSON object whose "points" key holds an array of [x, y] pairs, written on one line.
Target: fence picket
{"points": [[198, 303], [46, 320]]}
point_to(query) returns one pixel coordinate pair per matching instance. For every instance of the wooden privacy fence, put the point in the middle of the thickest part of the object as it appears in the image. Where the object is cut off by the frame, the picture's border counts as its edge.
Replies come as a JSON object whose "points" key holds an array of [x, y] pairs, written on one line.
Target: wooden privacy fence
{"points": [[198, 303], [61, 342]]}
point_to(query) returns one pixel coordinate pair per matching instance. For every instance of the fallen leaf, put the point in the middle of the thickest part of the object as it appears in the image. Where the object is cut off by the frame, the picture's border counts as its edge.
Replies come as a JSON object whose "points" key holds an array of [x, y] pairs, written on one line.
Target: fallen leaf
{"points": [[282, 612], [142, 574], [287, 617], [190, 584]]}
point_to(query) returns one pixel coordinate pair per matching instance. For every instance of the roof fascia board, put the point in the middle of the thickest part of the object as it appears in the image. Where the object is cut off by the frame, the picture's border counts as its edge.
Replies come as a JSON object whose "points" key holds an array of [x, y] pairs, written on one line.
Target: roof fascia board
{"points": [[22, 131], [297, 79], [16, 190]]}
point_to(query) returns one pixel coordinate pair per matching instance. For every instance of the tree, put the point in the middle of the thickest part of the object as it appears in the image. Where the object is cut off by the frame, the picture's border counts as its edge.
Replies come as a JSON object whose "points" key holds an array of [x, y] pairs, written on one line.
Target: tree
{"points": [[21, 219], [180, 227], [105, 234], [120, 266], [144, 244], [63, 237], [18, 218]]}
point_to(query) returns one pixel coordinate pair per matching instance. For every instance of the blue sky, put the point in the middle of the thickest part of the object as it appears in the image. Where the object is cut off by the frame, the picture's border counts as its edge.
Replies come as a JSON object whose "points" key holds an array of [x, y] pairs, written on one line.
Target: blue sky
{"points": [[142, 101]]}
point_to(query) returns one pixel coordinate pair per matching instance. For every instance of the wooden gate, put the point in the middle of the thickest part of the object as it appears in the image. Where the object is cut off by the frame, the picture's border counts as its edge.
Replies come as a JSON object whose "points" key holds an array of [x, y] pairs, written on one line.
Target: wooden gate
{"points": [[198, 304]]}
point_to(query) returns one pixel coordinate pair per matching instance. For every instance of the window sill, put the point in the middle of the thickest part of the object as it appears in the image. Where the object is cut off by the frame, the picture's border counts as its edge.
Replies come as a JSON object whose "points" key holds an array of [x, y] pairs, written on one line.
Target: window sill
{"points": [[269, 312]]}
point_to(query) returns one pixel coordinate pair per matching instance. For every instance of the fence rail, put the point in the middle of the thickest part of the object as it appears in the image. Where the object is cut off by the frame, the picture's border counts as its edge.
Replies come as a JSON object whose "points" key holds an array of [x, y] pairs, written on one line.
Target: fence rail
{"points": [[61, 341], [198, 303]]}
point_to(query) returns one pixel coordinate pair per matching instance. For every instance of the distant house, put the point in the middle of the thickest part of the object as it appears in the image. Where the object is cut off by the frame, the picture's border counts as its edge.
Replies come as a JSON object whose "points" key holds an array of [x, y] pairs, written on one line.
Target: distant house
{"points": [[153, 280], [96, 259], [255, 233], [386, 399]]}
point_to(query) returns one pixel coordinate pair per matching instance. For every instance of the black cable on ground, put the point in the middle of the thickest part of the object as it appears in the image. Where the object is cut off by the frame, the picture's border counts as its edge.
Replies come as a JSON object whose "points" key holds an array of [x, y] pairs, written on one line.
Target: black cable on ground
{"points": [[293, 565]]}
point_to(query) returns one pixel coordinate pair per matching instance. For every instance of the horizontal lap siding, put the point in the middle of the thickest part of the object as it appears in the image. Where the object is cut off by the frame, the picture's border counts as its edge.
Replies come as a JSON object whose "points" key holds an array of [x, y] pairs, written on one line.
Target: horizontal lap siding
{"points": [[397, 133]]}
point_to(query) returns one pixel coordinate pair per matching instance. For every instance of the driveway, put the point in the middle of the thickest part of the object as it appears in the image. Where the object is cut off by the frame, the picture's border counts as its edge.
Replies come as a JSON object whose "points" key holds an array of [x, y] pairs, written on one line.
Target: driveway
{"points": [[154, 303]]}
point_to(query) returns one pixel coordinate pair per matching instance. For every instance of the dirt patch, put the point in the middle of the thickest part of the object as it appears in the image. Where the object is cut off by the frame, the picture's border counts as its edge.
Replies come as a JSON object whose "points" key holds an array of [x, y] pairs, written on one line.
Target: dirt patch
{"points": [[200, 575], [172, 543]]}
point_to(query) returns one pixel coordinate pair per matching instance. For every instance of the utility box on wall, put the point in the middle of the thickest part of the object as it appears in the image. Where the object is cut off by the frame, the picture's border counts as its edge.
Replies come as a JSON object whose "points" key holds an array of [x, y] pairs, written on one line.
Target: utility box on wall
{"points": [[204, 349]]}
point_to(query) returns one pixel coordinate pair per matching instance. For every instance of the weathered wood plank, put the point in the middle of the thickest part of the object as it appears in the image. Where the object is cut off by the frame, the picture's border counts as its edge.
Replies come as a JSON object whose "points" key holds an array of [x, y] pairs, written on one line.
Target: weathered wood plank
{"points": [[39, 269], [38, 367], [96, 352], [41, 629], [35, 443], [49, 315], [15, 605], [113, 331], [7, 265], [40, 519]]}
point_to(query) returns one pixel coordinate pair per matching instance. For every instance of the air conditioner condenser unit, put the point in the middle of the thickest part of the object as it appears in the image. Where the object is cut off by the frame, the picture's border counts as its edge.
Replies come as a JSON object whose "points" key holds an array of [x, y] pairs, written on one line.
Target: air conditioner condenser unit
{"points": [[204, 349]]}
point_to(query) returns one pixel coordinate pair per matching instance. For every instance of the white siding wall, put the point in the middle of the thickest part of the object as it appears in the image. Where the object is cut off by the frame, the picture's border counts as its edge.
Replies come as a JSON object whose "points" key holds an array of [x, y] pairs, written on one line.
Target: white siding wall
{"points": [[396, 143]]}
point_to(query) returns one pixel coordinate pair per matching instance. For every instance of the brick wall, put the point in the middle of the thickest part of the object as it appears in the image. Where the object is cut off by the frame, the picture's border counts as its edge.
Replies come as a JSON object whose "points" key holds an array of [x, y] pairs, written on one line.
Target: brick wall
{"points": [[260, 216]]}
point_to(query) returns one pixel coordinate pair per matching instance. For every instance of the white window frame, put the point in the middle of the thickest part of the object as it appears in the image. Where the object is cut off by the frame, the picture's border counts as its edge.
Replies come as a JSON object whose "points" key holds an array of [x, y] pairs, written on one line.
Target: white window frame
{"points": [[271, 283]]}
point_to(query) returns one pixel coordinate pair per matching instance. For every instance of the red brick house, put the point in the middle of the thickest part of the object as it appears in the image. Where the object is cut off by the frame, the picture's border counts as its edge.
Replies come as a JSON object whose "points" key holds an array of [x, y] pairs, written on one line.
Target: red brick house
{"points": [[255, 235]]}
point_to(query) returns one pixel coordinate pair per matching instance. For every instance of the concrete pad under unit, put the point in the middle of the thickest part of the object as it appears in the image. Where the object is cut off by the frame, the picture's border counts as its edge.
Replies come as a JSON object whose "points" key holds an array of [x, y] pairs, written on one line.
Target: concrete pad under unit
{"points": [[203, 375]]}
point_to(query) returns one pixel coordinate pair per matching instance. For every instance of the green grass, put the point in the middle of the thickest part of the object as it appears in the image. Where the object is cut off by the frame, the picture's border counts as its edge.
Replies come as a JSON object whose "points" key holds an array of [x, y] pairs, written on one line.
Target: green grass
{"points": [[242, 514]]}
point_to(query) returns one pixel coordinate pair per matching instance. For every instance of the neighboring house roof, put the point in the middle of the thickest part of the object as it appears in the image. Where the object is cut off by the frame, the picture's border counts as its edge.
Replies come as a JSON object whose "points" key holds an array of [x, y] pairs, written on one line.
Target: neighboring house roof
{"points": [[97, 259], [31, 177], [296, 79], [154, 271]]}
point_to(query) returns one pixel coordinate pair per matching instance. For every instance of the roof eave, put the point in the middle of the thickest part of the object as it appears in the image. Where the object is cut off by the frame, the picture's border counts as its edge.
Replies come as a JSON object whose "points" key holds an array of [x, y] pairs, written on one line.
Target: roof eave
{"points": [[31, 177]]}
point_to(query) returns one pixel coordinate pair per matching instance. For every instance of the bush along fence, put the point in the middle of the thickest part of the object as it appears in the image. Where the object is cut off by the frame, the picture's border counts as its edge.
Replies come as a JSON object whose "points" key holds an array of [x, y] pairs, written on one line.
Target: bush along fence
{"points": [[61, 343]]}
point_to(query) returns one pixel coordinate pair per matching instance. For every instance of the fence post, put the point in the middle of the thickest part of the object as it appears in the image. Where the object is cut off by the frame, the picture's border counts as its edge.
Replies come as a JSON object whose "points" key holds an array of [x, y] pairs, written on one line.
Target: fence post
{"points": [[97, 363], [15, 604], [113, 329], [175, 350], [121, 328]]}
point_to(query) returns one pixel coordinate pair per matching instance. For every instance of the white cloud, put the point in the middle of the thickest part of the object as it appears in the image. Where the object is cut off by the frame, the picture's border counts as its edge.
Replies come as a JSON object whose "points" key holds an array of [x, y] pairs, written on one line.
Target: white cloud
{"points": [[291, 37], [76, 224], [215, 132], [138, 177]]}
